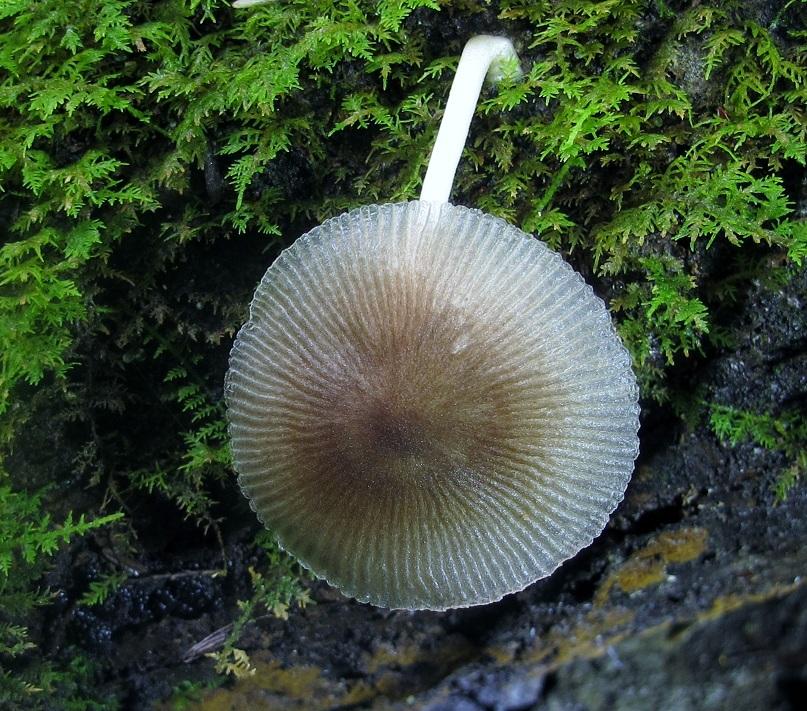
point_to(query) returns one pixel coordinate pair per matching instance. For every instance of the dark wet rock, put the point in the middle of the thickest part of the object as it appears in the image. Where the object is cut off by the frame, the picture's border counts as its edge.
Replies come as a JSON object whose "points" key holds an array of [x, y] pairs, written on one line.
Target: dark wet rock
{"points": [[501, 689], [139, 602], [453, 703], [749, 658]]}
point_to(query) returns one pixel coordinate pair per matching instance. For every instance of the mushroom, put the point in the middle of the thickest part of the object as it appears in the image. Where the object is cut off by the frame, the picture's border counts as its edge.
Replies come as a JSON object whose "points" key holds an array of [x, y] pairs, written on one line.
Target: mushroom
{"points": [[427, 406]]}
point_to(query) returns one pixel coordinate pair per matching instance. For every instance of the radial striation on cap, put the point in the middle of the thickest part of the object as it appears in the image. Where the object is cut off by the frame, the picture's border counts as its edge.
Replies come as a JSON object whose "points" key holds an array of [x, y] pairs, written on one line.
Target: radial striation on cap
{"points": [[428, 407]]}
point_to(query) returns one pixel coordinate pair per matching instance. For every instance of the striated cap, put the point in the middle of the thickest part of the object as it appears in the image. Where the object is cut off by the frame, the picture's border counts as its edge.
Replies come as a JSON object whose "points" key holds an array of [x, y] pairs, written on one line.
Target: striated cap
{"points": [[430, 408]]}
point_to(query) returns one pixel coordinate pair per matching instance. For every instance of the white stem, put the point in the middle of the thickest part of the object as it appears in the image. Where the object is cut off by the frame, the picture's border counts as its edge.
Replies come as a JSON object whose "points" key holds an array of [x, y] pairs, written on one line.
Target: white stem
{"points": [[481, 56], [238, 4]]}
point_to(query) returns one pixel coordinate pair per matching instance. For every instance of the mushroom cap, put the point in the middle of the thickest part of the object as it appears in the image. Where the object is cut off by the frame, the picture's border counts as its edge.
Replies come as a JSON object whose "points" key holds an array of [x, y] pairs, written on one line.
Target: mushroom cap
{"points": [[428, 407]]}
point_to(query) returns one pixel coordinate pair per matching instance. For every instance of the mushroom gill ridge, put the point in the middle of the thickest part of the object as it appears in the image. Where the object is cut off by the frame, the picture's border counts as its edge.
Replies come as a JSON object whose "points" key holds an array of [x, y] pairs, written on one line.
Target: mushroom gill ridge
{"points": [[428, 407]]}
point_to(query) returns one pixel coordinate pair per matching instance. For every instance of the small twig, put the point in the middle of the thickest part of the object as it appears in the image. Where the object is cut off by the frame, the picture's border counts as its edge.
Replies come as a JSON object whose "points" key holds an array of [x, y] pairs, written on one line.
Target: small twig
{"points": [[212, 572], [112, 490], [209, 644], [217, 639], [222, 551]]}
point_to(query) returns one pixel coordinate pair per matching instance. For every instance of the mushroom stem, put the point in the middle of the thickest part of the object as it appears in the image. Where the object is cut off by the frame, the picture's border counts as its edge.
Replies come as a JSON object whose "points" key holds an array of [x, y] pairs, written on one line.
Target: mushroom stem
{"points": [[482, 56], [239, 4]]}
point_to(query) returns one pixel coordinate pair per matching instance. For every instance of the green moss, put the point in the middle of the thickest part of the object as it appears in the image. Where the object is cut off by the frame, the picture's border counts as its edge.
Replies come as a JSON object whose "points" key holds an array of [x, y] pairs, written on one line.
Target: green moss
{"points": [[155, 156], [28, 537], [785, 433], [91, 84], [275, 589]]}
